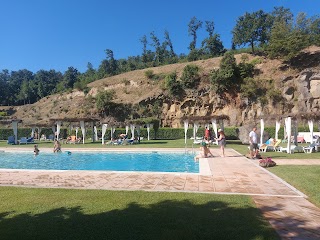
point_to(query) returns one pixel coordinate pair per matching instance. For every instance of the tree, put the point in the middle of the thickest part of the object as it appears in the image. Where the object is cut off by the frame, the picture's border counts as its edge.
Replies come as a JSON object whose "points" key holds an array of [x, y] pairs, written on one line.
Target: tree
{"points": [[315, 31], [159, 50], [281, 14], [104, 101], [193, 27], [47, 81], [168, 43], [287, 40], [4, 87], [227, 76], [173, 85], [112, 62], [213, 46], [70, 77], [190, 76], [210, 27], [25, 92], [252, 28], [144, 42]]}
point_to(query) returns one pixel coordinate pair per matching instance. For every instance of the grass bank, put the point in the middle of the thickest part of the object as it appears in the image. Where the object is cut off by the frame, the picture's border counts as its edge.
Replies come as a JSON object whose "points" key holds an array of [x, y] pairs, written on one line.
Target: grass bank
{"points": [[27, 213], [304, 178]]}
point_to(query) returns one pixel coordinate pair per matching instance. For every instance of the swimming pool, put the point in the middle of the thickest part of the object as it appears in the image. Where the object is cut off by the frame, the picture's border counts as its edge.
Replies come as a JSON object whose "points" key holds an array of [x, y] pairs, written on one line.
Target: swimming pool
{"points": [[108, 161]]}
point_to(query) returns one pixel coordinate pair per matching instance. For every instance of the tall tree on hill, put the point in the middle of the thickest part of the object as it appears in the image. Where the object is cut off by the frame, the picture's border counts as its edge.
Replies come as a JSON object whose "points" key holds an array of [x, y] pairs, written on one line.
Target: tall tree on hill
{"points": [[47, 81], [315, 31], [212, 46], [252, 28], [159, 49], [15, 83], [4, 88], [193, 27], [210, 27], [70, 77], [169, 44], [112, 62], [281, 14], [25, 92], [144, 42], [108, 66]]}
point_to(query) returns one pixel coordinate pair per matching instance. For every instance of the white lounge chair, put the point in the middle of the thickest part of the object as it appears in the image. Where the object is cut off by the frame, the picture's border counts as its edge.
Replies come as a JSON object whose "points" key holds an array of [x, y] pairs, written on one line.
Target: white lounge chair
{"points": [[310, 148], [293, 148]]}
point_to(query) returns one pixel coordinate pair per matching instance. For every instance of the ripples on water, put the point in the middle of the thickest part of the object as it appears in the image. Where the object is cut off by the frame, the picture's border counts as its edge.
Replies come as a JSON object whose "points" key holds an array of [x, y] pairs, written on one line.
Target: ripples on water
{"points": [[153, 162]]}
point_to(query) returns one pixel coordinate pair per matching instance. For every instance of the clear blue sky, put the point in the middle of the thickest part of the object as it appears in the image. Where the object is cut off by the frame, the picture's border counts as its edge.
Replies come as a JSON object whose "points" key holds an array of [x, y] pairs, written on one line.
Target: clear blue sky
{"points": [[57, 34]]}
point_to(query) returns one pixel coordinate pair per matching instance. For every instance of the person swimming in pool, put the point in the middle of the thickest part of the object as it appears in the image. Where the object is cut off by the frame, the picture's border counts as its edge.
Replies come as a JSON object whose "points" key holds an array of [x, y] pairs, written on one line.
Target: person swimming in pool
{"points": [[36, 150], [57, 146]]}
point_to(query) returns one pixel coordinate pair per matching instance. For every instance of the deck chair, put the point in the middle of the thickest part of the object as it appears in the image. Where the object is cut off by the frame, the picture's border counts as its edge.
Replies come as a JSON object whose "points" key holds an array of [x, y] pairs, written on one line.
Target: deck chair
{"points": [[310, 148], [51, 137], [30, 140], [23, 140], [273, 146], [11, 140], [293, 148]]}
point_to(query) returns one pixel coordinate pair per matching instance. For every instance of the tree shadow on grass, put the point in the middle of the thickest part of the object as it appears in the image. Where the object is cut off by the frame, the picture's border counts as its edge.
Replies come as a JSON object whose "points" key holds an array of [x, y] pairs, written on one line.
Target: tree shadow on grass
{"points": [[163, 220]]}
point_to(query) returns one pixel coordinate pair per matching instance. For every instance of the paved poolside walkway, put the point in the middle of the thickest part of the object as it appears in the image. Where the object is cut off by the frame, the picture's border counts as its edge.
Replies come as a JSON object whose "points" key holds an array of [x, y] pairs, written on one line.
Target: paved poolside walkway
{"points": [[285, 207]]}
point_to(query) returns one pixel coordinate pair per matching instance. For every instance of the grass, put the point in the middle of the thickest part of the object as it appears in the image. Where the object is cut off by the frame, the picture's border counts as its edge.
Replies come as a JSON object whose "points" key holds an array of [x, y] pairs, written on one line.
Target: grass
{"points": [[304, 178], [177, 143], [243, 149], [27, 213]]}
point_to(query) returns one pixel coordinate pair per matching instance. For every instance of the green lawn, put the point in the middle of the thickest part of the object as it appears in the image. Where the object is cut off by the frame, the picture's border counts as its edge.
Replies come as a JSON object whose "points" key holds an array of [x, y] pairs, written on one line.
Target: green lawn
{"points": [[243, 149], [178, 143], [27, 213], [304, 178]]}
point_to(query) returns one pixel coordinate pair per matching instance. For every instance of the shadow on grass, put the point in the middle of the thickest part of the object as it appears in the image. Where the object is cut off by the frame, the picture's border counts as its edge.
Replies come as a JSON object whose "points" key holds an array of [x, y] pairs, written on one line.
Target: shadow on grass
{"points": [[163, 220]]}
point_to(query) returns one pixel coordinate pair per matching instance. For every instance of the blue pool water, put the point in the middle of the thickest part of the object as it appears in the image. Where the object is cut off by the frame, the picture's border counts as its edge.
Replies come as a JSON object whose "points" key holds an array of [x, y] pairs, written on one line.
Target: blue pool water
{"points": [[153, 162]]}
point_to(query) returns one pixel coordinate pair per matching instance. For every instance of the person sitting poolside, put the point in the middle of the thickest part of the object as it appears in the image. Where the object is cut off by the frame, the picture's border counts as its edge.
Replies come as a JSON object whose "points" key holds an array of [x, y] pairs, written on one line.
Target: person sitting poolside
{"points": [[204, 152], [123, 136]]}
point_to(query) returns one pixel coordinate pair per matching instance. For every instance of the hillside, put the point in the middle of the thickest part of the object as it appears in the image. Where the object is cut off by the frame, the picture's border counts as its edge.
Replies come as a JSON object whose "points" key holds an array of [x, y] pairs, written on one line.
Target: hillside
{"points": [[299, 82]]}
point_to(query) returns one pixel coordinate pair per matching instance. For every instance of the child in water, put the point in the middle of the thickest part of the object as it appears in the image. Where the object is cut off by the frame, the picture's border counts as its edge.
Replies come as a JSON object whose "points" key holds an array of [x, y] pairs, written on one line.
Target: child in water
{"points": [[36, 150]]}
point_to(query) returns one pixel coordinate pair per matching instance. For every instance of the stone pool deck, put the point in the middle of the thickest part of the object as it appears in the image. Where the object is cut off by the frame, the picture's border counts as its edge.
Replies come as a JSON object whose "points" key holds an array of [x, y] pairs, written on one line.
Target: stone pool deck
{"points": [[285, 207]]}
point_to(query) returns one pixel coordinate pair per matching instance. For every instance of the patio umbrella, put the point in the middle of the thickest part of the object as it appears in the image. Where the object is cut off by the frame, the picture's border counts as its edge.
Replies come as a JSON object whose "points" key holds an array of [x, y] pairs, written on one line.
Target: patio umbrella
{"points": [[277, 128], [310, 123], [214, 126], [261, 130], [83, 130], [185, 124], [195, 130], [288, 131], [104, 129]]}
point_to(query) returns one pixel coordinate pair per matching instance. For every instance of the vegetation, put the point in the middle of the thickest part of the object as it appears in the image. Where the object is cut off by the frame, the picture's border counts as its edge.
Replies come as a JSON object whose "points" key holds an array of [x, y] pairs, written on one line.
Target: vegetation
{"points": [[304, 178], [190, 76], [97, 214], [276, 34], [173, 84]]}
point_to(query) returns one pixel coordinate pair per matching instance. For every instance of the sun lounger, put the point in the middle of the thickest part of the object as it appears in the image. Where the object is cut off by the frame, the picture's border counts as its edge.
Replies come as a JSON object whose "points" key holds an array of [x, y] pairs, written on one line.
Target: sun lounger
{"points": [[25, 140], [293, 148], [310, 148], [273, 146], [11, 140]]}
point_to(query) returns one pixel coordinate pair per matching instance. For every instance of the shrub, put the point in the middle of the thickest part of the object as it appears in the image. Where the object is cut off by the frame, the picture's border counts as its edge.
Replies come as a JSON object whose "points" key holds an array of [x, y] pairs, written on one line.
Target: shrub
{"points": [[149, 74], [190, 76], [125, 81], [172, 84]]}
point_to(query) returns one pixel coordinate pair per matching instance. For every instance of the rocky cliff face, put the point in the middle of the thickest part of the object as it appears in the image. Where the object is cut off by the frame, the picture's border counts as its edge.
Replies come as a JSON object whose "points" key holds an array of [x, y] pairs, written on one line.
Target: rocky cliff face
{"points": [[298, 80], [300, 86]]}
